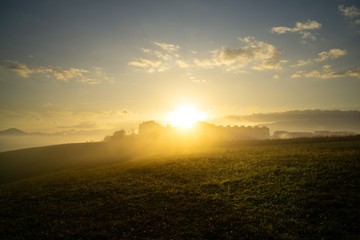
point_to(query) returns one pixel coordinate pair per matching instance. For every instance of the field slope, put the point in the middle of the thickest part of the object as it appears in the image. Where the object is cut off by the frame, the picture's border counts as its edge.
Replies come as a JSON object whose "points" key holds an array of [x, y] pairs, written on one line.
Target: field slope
{"points": [[303, 189]]}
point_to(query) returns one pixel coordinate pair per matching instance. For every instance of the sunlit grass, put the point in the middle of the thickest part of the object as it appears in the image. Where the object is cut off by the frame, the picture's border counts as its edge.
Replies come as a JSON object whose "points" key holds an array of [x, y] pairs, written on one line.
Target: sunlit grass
{"points": [[267, 190]]}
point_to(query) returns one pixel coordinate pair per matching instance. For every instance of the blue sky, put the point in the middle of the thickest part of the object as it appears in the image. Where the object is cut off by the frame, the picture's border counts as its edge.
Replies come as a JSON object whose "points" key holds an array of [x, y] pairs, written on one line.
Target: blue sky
{"points": [[108, 64]]}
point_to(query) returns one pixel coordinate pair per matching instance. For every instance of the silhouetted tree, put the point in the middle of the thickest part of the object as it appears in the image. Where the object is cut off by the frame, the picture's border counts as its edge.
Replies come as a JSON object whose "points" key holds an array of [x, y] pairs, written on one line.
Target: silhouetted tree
{"points": [[118, 135]]}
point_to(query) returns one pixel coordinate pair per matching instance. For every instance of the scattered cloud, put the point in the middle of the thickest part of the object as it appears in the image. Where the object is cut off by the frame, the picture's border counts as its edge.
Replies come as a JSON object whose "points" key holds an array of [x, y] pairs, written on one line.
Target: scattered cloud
{"points": [[327, 73], [150, 66], [23, 70], [58, 73], [297, 74], [326, 68], [207, 63], [159, 60], [64, 74], [351, 14], [256, 54], [182, 64], [276, 76], [101, 76], [19, 68], [331, 54], [158, 54], [301, 63], [168, 47], [303, 28], [323, 56], [194, 79]]}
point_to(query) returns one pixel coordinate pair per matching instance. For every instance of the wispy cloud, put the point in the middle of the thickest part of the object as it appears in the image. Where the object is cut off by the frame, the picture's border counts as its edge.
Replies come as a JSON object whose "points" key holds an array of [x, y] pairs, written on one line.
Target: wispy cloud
{"points": [[25, 71], [167, 46], [328, 73], [158, 54], [195, 79], [164, 57], [301, 63], [276, 76], [331, 54], [182, 63], [322, 56], [303, 28], [64, 74], [19, 68], [150, 66], [82, 75], [256, 54], [352, 13]]}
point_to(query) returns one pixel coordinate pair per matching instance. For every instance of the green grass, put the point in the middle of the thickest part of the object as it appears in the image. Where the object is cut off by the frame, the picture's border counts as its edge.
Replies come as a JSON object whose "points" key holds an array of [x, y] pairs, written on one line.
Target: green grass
{"points": [[303, 189]]}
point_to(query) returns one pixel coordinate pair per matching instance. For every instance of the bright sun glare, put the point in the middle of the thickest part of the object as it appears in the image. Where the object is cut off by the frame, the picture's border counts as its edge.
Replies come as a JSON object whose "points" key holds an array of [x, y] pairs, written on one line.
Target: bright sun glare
{"points": [[185, 117]]}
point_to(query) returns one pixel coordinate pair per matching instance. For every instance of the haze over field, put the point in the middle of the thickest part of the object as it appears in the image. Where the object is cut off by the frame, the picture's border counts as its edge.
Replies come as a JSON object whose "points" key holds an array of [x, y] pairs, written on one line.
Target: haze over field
{"points": [[198, 119], [90, 68]]}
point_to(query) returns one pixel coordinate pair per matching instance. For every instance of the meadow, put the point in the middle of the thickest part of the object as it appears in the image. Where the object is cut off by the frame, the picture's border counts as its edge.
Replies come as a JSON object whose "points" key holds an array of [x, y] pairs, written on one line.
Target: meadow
{"points": [[283, 189]]}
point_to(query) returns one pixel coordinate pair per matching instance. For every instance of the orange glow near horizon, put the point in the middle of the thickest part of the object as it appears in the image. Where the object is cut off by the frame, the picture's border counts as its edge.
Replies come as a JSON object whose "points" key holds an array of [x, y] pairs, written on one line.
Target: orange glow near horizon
{"points": [[185, 117]]}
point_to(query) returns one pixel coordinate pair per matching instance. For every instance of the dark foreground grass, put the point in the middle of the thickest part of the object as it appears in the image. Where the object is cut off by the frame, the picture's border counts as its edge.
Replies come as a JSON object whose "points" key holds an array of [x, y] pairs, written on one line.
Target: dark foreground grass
{"points": [[281, 190]]}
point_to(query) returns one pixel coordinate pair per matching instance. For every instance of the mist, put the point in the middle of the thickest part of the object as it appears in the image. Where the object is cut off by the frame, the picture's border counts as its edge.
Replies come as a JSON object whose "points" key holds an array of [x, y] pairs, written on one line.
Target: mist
{"points": [[13, 142], [303, 120]]}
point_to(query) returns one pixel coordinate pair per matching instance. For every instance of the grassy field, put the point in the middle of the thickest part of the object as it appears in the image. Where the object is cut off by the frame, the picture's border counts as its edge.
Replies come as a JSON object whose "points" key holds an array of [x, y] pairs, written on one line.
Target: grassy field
{"points": [[291, 189]]}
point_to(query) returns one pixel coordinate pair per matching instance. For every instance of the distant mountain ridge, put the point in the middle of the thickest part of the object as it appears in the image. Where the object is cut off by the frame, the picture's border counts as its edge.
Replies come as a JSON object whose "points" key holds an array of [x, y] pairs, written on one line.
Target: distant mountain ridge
{"points": [[18, 132], [304, 120], [13, 131]]}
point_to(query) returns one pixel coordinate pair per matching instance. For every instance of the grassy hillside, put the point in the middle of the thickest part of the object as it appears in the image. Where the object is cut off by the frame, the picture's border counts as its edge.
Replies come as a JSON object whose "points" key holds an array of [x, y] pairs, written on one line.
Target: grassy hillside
{"points": [[300, 189], [18, 164]]}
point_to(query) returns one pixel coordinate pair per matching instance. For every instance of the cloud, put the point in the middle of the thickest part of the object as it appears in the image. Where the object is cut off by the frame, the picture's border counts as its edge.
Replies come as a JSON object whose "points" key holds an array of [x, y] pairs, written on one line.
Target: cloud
{"points": [[328, 73], [276, 76], [19, 68], [167, 47], [303, 28], [207, 63], [256, 54], [150, 66], [23, 70], [194, 79], [64, 74], [182, 64], [161, 59], [58, 73], [99, 76], [301, 63], [323, 56], [331, 54], [297, 74], [158, 54], [352, 13]]}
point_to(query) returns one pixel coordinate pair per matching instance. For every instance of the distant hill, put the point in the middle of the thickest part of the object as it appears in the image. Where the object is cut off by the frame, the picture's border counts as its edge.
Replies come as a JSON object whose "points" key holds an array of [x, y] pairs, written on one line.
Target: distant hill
{"points": [[305, 120], [28, 162], [12, 131]]}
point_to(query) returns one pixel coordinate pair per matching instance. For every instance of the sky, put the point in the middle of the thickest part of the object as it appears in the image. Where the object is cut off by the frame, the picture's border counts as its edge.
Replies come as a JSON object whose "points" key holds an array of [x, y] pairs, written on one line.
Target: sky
{"points": [[87, 65]]}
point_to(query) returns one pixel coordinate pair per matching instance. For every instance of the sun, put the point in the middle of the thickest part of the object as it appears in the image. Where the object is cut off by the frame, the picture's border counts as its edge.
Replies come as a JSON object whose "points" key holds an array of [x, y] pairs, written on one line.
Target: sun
{"points": [[185, 117]]}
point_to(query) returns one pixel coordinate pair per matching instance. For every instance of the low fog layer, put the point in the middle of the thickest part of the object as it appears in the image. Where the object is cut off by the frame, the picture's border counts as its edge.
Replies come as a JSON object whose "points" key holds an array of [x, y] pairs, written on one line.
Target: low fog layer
{"points": [[292, 121], [307, 120], [12, 139]]}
